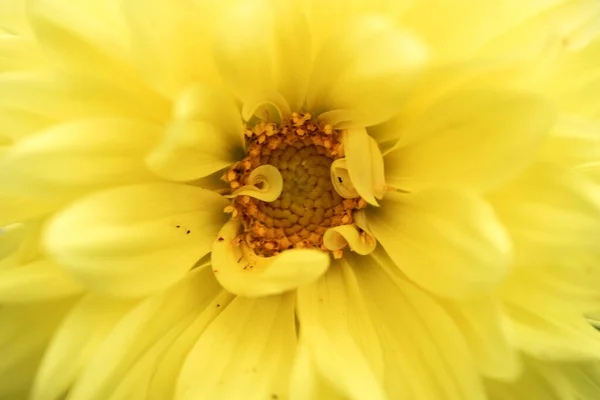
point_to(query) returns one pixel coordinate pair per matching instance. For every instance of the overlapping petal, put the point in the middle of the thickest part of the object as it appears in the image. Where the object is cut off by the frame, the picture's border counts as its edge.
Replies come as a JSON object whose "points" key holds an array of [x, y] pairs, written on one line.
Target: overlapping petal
{"points": [[478, 139], [134, 240], [419, 339], [123, 363], [244, 273], [351, 89], [247, 352], [339, 335], [61, 162], [447, 241]]}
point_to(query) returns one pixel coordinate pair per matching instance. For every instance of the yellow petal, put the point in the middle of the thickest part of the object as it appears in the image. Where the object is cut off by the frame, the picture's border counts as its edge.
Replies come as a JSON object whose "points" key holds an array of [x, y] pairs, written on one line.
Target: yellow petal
{"points": [[472, 252], [264, 183], [264, 54], [205, 136], [26, 330], [17, 124], [191, 150], [39, 280], [575, 142], [171, 47], [19, 53], [365, 164], [419, 339], [245, 274], [458, 29], [575, 85], [61, 162], [166, 372], [134, 240], [552, 215], [63, 96], [78, 337], [553, 335], [356, 236], [486, 329], [13, 18], [116, 361], [86, 36], [340, 177], [339, 334], [17, 208], [246, 352], [307, 382], [364, 70], [572, 23], [453, 151]]}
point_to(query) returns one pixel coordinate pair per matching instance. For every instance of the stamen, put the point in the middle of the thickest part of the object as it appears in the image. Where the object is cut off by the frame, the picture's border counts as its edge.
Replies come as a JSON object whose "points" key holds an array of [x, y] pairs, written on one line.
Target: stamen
{"points": [[307, 155]]}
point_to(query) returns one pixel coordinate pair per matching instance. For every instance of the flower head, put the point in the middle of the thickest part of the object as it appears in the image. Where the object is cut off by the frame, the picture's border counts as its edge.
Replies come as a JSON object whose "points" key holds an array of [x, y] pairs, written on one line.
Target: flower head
{"points": [[299, 199]]}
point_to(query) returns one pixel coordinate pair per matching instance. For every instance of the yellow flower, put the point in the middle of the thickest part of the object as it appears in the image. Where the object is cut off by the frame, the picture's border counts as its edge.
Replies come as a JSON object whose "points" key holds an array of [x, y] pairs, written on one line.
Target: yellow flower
{"points": [[304, 199]]}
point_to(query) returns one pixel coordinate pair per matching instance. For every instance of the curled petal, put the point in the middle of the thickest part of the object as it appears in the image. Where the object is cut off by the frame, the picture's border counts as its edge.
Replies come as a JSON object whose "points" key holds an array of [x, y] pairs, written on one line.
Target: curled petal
{"points": [[365, 164], [240, 271], [263, 105], [351, 235], [340, 177], [265, 183]]}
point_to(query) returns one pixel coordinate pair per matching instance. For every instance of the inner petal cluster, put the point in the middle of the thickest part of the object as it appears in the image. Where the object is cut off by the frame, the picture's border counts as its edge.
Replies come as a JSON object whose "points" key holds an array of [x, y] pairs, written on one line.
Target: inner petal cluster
{"points": [[302, 149]]}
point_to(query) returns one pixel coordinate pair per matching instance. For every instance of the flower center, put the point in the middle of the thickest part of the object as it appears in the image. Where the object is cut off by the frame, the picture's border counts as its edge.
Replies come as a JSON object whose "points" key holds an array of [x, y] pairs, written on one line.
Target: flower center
{"points": [[303, 151]]}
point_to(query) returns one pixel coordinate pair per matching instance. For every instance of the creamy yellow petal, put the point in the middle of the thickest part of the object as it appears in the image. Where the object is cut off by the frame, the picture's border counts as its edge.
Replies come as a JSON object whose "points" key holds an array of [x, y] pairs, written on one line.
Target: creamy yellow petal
{"points": [[453, 151], [17, 53], [13, 18], [87, 36], [62, 96], [246, 352], [134, 240], [457, 29], [39, 280], [575, 85], [365, 70], [530, 385], [550, 335], [26, 330], [569, 22], [425, 353], [264, 183], [137, 334], [550, 380], [264, 53], [205, 135], [16, 124], [339, 334], [472, 252], [552, 215], [307, 382], [349, 235], [245, 274], [17, 208], [570, 289], [365, 164], [487, 330], [191, 150], [170, 44], [437, 83], [575, 142], [166, 373], [76, 340], [61, 161]]}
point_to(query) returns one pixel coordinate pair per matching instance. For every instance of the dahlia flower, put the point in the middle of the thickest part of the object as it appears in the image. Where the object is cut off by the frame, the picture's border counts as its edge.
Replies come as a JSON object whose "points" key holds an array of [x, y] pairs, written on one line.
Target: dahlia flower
{"points": [[299, 199]]}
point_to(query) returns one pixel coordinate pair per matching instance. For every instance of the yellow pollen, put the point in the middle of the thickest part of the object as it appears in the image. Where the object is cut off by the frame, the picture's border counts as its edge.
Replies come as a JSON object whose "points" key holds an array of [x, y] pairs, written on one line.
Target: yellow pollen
{"points": [[302, 149]]}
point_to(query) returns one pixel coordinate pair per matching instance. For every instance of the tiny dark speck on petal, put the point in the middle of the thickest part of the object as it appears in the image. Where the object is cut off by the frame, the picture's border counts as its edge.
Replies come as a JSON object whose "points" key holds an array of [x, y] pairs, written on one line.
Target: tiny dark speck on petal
{"points": [[188, 232]]}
